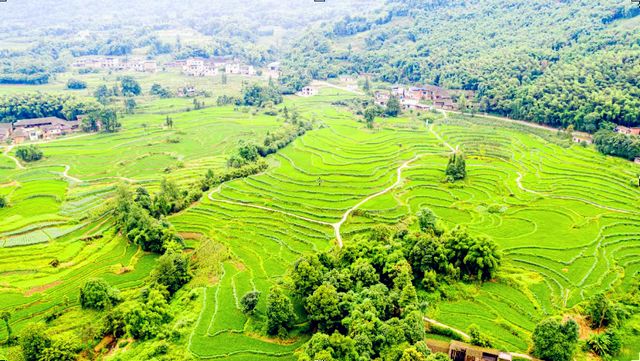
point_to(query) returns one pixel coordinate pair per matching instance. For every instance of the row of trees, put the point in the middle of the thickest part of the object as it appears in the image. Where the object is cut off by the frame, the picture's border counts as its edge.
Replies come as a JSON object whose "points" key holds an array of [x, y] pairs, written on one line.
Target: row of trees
{"points": [[610, 142], [39, 105]]}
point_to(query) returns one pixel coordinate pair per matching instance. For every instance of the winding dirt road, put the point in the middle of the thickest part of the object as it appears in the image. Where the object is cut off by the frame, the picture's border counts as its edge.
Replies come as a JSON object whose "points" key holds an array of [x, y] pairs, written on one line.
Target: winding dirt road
{"points": [[6, 154]]}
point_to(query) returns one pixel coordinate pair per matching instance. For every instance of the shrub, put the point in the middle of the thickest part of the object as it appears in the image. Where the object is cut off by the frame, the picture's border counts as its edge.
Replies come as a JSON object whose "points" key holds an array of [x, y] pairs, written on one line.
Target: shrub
{"points": [[76, 84], [605, 344], [29, 153]]}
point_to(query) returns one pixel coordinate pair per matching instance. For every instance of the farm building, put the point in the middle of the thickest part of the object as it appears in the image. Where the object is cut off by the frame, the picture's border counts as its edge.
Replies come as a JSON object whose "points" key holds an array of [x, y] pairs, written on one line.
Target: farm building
{"points": [[273, 70], [200, 67], [42, 128], [117, 63], [580, 139], [628, 131], [239, 69], [308, 91], [5, 131], [381, 98], [459, 351]]}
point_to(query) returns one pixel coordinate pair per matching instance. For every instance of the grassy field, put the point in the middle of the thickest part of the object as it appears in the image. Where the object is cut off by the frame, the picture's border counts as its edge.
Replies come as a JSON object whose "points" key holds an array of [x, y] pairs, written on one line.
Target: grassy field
{"points": [[565, 217]]}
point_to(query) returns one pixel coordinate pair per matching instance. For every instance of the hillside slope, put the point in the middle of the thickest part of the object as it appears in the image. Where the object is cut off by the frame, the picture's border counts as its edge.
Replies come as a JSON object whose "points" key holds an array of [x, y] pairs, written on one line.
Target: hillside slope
{"points": [[552, 62]]}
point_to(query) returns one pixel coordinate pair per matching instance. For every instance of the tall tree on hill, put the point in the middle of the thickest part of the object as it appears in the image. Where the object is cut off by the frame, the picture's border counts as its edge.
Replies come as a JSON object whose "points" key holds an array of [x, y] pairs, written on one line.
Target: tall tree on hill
{"points": [[5, 316]]}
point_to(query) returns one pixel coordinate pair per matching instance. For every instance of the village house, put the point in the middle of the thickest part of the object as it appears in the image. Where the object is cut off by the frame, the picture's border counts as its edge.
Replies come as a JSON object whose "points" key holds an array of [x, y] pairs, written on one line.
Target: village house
{"points": [[381, 98], [636, 160], [239, 69], [187, 92], [627, 131], [398, 92], [199, 67], [116, 63], [273, 70], [459, 351], [308, 91]]}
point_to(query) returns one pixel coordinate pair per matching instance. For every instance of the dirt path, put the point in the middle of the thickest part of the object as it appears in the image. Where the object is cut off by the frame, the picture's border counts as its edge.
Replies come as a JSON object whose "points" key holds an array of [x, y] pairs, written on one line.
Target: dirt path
{"points": [[67, 176], [440, 324], [346, 214], [6, 153]]}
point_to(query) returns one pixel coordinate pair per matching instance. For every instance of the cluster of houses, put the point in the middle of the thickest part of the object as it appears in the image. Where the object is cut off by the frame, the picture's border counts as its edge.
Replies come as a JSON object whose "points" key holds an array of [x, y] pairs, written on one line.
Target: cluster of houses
{"points": [[202, 67], [37, 129], [426, 97], [117, 63]]}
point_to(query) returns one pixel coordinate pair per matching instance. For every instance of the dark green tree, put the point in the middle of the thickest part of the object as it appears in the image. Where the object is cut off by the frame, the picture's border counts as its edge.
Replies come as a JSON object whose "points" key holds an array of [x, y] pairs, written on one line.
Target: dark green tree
{"points": [[554, 340], [456, 167], [249, 301], [34, 340], [129, 86], [98, 295], [5, 316], [280, 314], [393, 107], [426, 220], [323, 307], [30, 153], [172, 271]]}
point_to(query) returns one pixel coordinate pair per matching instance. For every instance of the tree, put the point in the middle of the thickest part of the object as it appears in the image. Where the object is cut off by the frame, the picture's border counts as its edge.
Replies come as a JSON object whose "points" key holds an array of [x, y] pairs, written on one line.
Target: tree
{"points": [[426, 220], [109, 119], [323, 307], [456, 167], [603, 312], [129, 86], [129, 105], [172, 271], [393, 107], [605, 344], [29, 153], [279, 312], [554, 340], [98, 295], [168, 122], [159, 90], [144, 319], [476, 257], [223, 78], [102, 94], [370, 115], [249, 301], [61, 349], [3, 201], [6, 317], [34, 340]]}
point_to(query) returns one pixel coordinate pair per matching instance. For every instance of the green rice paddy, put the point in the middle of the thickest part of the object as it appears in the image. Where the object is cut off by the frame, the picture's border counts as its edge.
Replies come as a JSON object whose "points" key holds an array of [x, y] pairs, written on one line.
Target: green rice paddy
{"points": [[565, 217]]}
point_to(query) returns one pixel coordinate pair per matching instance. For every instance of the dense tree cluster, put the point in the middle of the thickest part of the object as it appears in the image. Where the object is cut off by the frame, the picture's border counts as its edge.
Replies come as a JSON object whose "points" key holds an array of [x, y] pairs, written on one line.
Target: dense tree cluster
{"points": [[362, 301], [135, 222], [159, 90], [258, 95], [617, 144]]}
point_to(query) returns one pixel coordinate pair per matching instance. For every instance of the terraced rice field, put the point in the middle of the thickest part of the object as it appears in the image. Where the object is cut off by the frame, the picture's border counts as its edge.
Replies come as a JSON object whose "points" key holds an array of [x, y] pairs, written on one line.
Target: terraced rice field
{"points": [[565, 217], [56, 204]]}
